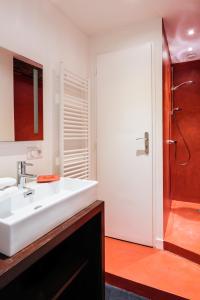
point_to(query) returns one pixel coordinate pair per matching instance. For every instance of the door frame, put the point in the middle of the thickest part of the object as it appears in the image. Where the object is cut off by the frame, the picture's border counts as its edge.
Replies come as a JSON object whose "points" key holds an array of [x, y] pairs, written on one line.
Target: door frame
{"points": [[157, 146], [157, 137]]}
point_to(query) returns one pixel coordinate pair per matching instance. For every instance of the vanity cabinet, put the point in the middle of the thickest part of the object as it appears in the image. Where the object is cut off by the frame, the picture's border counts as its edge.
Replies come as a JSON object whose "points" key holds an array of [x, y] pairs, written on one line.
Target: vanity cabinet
{"points": [[67, 263]]}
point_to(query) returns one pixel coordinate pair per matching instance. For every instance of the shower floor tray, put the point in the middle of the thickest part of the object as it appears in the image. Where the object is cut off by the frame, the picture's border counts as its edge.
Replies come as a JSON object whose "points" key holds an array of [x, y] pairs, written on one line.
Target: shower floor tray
{"points": [[183, 230]]}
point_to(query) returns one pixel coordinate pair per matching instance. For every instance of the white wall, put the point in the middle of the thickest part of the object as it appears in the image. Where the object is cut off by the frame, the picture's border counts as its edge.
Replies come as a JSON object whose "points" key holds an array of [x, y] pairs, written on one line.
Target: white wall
{"points": [[37, 30], [127, 37], [6, 96]]}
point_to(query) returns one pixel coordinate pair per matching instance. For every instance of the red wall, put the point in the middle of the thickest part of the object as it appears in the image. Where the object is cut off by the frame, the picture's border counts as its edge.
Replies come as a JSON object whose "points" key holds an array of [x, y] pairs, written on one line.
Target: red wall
{"points": [[166, 129], [186, 179]]}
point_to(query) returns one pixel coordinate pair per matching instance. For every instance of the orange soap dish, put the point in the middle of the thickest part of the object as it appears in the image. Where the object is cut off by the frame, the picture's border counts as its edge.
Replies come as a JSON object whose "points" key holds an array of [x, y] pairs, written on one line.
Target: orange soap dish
{"points": [[47, 178]]}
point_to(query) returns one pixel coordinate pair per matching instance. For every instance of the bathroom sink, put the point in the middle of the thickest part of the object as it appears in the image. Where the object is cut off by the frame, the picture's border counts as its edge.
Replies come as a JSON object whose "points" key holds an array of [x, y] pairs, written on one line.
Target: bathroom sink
{"points": [[24, 216]]}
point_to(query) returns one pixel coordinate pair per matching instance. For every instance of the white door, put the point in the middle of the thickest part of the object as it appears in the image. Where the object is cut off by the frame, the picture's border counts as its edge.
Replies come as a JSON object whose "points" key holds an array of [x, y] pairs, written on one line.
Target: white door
{"points": [[124, 170]]}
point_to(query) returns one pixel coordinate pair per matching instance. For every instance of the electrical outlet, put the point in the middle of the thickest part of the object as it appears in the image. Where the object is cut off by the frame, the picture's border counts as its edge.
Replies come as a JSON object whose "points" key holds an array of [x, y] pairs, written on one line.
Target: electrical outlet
{"points": [[34, 153]]}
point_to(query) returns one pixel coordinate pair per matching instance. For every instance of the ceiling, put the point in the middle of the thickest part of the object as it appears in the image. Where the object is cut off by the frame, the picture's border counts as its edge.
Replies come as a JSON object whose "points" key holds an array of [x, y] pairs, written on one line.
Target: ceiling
{"points": [[96, 16]]}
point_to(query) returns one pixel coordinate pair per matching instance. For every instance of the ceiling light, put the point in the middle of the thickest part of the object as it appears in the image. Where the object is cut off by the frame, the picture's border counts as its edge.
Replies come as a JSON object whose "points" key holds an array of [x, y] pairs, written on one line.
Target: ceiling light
{"points": [[190, 31], [190, 49]]}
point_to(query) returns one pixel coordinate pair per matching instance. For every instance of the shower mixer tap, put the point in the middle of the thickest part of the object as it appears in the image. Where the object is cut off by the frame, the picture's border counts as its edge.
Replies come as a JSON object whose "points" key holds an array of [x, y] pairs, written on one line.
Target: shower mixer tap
{"points": [[175, 109], [171, 142]]}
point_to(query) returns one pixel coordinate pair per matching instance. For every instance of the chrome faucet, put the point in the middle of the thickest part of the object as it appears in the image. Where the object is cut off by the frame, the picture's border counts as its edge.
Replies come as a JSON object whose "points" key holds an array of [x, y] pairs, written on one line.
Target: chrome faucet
{"points": [[22, 175]]}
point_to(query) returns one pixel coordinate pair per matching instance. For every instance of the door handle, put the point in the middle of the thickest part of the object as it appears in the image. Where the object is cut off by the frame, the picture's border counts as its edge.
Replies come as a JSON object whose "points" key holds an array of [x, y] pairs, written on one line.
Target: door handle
{"points": [[146, 142]]}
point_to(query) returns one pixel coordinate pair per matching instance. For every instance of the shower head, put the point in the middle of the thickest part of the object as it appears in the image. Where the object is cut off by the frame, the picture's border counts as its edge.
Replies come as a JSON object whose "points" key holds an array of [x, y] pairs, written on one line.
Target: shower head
{"points": [[174, 88]]}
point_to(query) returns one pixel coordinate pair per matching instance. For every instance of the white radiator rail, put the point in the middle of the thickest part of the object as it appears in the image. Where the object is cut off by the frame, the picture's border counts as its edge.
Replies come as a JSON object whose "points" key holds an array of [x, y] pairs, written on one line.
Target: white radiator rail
{"points": [[74, 125]]}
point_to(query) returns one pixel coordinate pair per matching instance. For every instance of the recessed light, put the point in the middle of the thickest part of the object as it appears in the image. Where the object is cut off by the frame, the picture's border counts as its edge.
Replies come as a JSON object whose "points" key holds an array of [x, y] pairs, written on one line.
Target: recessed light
{"points": [[190, 49], [190, 31]]}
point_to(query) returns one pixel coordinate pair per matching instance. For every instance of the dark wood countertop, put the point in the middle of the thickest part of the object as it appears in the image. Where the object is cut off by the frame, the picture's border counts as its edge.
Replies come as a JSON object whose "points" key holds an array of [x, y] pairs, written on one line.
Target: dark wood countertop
{"points": [[11, 267]]}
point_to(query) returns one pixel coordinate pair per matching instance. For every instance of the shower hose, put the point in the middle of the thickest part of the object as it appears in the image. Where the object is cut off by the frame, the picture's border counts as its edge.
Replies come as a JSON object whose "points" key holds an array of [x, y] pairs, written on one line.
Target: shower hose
{"points": [[185, 162]]}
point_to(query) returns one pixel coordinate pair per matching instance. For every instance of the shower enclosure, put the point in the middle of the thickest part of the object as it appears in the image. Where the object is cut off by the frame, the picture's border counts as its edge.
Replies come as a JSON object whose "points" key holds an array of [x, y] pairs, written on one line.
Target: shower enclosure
{"points": [[182, 232], [174, 112]]}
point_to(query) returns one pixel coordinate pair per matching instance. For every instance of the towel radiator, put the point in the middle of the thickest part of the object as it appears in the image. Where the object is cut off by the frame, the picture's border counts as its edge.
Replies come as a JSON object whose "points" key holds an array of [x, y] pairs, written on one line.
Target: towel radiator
{"points": [[74, 125]]}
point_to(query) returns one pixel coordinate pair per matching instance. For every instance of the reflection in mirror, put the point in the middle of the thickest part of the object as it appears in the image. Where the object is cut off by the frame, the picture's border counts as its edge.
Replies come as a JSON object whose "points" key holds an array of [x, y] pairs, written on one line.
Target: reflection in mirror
{"points": [[21, 98]]}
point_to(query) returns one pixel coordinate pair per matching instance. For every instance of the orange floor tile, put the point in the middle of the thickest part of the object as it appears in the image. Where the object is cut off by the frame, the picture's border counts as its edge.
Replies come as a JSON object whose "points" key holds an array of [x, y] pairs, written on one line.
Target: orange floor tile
{"points": [[161, 270], [183, 228]]}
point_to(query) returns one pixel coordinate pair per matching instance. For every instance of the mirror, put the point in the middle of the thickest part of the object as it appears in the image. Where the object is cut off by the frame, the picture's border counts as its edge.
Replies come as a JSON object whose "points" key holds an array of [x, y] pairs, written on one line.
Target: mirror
{"points": [[21, 98]]}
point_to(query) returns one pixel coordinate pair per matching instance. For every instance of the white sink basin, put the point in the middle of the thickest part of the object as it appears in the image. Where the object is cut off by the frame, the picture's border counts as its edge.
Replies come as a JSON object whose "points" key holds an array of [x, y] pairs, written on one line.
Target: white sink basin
{"points": [[25, 219]]}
